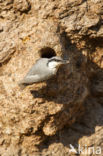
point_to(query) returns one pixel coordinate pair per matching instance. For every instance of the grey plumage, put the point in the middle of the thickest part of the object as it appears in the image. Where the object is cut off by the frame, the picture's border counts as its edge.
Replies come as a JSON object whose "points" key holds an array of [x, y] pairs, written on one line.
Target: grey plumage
{"points": [[42, 70]]}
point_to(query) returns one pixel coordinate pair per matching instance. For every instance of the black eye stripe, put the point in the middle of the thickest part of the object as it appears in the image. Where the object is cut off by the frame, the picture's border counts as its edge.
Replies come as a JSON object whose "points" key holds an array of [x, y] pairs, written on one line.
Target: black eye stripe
{"points": [[53, 60]]}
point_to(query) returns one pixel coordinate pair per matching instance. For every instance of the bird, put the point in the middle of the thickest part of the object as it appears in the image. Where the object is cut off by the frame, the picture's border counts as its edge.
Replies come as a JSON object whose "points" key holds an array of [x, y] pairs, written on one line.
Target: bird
{"points": [[42, 70]]}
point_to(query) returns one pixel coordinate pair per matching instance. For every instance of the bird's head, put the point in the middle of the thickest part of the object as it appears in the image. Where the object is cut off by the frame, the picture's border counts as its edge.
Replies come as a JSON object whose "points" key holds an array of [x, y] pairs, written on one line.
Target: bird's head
{"points": [[56, 62]]}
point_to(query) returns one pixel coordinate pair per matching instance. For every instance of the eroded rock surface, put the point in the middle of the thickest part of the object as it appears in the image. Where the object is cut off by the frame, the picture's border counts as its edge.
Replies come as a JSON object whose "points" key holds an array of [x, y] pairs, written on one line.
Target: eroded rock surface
{"points": [[29, 119]]}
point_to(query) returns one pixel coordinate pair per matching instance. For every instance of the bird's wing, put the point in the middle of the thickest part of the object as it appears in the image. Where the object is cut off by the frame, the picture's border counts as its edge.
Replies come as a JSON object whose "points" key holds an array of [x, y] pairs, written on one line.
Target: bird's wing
{"points": [[33, 70], [29, 79], [38, 68]]}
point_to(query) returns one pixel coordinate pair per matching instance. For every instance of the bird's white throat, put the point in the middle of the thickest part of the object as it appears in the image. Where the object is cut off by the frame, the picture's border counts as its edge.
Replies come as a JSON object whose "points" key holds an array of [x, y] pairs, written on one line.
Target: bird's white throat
{"points": [[53, 64]]}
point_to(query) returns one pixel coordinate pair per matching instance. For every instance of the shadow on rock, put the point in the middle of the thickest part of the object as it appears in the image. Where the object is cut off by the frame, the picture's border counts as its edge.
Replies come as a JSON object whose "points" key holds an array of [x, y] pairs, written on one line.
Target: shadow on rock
{"points": [[79, 87]]}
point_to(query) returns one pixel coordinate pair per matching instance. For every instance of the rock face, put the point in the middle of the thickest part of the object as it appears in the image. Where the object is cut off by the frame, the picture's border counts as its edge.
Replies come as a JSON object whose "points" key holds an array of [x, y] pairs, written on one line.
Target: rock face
{"points": [[44, 119]]}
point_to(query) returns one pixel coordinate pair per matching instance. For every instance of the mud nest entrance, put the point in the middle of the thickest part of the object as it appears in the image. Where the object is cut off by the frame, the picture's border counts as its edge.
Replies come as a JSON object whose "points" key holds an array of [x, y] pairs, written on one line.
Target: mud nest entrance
{"points": [[47, 52]]}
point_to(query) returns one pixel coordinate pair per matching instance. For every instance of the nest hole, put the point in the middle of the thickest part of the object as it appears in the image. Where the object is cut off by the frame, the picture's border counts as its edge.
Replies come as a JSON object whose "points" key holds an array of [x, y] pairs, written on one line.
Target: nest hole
{"points": [[47, 52]]}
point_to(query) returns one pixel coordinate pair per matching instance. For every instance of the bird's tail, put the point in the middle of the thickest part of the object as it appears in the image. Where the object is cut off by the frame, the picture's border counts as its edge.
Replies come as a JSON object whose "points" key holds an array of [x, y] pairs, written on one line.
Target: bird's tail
{"points": [[22, 85]]}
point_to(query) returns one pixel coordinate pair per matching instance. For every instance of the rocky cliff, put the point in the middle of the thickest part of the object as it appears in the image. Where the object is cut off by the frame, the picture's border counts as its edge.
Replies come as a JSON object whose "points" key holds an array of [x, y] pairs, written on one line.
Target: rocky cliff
{"points": [[45, 118]]}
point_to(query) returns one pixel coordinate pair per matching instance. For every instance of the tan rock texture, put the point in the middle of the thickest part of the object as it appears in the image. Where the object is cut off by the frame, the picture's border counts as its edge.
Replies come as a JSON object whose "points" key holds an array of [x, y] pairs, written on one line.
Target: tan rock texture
{"points": [[45, 118]]}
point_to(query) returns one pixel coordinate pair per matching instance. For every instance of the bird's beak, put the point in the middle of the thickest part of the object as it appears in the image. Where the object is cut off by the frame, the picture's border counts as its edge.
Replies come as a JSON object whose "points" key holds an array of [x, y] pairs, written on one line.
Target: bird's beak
{"points": [[65, 61]]}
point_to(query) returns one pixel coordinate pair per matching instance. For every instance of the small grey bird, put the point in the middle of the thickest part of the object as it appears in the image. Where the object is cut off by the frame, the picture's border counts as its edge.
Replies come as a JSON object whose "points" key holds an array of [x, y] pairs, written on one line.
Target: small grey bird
{"points": [[42, 70]]}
